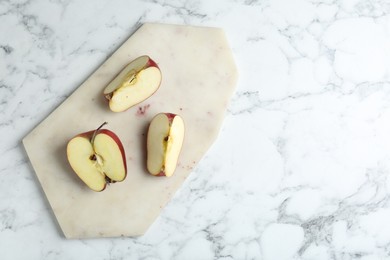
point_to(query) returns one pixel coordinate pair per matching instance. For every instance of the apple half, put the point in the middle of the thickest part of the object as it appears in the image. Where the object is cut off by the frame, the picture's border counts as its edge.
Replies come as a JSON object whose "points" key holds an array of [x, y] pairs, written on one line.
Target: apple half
{"points": [[164, 143], [98, 158], [135, 83]]}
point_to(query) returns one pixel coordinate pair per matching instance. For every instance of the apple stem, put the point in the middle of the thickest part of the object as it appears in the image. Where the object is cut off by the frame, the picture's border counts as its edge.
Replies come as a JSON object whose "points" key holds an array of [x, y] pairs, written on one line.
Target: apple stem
{"points": [[94, 133]]}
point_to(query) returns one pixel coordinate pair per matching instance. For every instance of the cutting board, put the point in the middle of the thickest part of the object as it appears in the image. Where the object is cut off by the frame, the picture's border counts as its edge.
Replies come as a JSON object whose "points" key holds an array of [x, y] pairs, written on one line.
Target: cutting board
{"points": [[199, 77]]}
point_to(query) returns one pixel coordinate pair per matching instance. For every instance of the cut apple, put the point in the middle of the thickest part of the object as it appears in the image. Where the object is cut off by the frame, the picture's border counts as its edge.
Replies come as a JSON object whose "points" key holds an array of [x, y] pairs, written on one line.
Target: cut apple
{"points": [[135, 83], [164, 143], [98, 158]]}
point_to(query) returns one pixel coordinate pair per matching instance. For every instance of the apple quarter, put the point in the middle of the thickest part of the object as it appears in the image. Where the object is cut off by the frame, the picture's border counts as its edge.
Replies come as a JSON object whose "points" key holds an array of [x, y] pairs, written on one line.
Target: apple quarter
{"points": [[184, 55], [134, 84], [163, 145]]}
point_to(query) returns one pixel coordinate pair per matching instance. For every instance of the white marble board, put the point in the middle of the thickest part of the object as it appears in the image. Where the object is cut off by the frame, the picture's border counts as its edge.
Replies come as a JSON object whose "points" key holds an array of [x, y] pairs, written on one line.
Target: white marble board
{"points": [[199, 77]]}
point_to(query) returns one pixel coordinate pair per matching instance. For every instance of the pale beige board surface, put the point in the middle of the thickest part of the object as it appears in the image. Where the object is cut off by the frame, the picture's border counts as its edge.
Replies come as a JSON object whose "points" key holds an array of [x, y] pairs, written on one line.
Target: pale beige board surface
{"points": [[199, 77]]}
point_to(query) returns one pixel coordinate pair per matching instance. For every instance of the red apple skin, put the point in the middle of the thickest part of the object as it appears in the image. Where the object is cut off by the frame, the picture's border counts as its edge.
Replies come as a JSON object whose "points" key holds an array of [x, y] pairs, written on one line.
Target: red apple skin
{"points": [[151, 63], [89, 135], [170, 116], [160, 174]]}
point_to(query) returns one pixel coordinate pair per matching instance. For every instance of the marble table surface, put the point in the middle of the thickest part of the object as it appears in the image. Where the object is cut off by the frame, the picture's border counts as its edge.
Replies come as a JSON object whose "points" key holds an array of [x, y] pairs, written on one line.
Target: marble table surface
{"points": [[300, 169]]}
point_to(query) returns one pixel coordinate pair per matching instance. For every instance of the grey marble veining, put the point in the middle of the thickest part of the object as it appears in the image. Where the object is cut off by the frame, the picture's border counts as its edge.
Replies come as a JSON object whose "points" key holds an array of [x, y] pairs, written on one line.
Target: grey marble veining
{"points": [[301, 166]]}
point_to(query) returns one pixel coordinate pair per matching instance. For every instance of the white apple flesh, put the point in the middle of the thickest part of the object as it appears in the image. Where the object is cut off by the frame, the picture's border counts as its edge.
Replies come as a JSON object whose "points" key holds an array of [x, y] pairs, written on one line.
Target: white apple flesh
{"points": [[98, 158], [164, 142], [135, 83]]}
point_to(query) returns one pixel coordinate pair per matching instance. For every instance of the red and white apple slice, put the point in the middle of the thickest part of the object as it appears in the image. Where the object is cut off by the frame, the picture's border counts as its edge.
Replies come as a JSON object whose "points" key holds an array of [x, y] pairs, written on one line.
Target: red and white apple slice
{"points": [[164, 143], [98, 158], [135, 83]]}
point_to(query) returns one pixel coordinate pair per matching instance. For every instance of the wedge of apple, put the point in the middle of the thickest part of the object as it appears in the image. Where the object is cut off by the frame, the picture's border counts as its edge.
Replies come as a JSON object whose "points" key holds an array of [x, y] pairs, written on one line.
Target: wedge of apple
{"points": [[135, 83], [164, 143], [98, 158]]}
